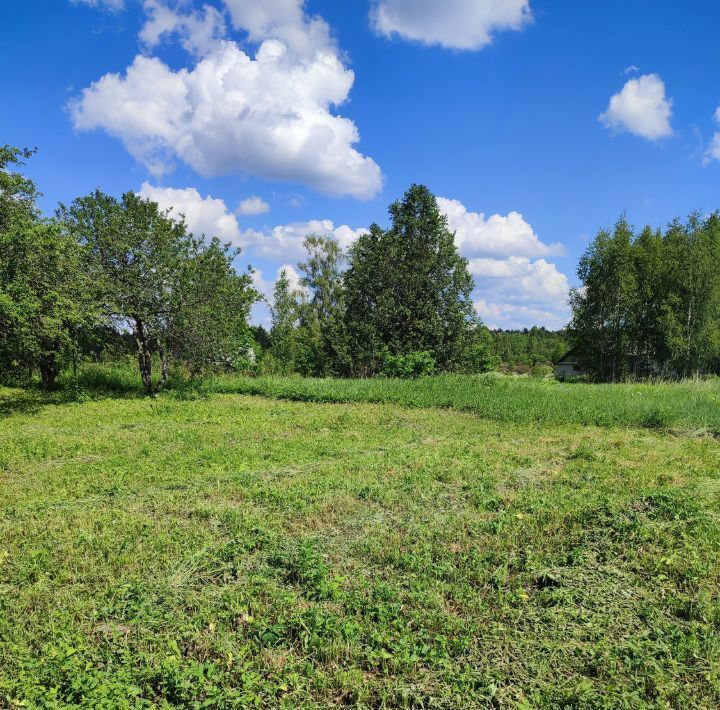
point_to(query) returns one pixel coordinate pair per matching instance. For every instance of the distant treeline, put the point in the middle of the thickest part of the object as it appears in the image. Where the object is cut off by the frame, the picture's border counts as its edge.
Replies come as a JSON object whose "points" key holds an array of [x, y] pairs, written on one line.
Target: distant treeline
{"points": [[527, 348], [649, 303]]}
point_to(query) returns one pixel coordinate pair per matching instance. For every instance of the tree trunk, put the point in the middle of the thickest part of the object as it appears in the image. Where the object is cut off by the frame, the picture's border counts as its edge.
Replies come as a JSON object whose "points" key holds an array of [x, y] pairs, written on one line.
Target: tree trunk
{"points": [[165, 366], [49, 370], [144, 354]]}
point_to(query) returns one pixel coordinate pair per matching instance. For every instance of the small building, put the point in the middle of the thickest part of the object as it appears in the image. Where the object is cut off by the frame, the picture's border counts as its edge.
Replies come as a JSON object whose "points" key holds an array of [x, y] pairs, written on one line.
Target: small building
{"points": [[568, 365]]}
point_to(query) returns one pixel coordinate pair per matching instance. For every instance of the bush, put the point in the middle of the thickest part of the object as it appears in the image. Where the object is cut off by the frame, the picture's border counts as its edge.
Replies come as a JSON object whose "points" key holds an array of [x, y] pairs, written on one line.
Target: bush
{"points": [[270, 365], [542, 371], [412, 365], [479, 359]]}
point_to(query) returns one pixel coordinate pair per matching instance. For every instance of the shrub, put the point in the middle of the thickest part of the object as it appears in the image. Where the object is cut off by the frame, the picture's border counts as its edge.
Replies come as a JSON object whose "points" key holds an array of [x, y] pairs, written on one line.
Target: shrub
{"points": [[542, 371], [270, 365], [479, 359], [412, 365]]}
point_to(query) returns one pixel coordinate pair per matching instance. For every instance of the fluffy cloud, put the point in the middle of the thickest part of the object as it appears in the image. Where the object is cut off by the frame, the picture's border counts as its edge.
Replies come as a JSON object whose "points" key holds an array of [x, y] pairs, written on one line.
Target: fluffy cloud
{"points": [[198, 31], [253, 206], [537, 280], [286, 241], [497, 235], [510, 316], [211, 216], [203, 215], [269, 115], [284, 20], [517, 292], [641, 108], [456, 24], [514, 288]]}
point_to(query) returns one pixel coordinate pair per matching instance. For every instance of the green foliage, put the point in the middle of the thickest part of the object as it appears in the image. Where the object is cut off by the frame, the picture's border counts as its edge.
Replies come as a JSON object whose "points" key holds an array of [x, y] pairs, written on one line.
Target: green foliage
{"points": [[119, 377], [531, 346], [177, 295], [226, 551], [542, 371], [261, 337], [410, 366], [18, 193], [136, 255], [322, 314], [479, 355], [650, 304], [407, 288], [208, 324], [285, 319], [45, 298]]}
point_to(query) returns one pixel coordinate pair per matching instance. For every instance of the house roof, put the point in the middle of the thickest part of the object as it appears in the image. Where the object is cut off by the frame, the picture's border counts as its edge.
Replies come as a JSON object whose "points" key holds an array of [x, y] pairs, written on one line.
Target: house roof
{"points": [[570, 357]]}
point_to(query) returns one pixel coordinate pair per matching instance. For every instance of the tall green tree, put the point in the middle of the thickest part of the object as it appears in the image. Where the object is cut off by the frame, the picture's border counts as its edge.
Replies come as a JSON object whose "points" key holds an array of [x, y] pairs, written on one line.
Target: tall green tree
{"points": [[322, 314], [650, 305], [160, 282], [648, 346], [136, 255], [46, 297], [368, 299], [408, 289], [603, 307], [691, 279], [284, 313]]}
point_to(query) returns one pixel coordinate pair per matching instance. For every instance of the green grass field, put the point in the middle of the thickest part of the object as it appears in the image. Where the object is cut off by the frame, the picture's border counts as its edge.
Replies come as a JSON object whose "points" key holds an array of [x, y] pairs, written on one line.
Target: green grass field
{"points": [[551, 546]]}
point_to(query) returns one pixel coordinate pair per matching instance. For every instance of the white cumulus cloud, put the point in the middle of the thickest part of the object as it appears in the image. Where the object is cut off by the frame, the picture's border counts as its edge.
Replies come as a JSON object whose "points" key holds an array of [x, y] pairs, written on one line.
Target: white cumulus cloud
{"points": [[537, 280], [203, 215], [198, 31], [515, 286], [270, 113], [285, 20], [252, 206], [286, 241], [456, 24], [510, 316], [518, 292], [211, 216], [496, 235], [641, 108]]}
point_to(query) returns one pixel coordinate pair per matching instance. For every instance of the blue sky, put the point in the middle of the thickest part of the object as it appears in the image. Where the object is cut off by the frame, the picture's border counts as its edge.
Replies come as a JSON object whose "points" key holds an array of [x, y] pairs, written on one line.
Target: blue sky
{"points": [[537, 122]]}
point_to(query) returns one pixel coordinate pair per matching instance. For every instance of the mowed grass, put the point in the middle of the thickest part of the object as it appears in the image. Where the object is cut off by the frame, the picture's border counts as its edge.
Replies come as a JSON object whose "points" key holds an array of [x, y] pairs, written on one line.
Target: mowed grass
{"points": [[222, 550], [684, 405]]}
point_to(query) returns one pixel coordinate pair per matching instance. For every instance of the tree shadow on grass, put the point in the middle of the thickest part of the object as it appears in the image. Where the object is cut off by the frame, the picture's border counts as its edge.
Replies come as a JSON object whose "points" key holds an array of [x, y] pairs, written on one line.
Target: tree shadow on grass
{"points": [[33, 401]]}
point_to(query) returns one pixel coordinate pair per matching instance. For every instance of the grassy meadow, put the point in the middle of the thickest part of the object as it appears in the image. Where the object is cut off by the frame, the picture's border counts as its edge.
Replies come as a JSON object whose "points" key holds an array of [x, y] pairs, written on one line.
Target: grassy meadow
{"points": [[452, 542]]}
